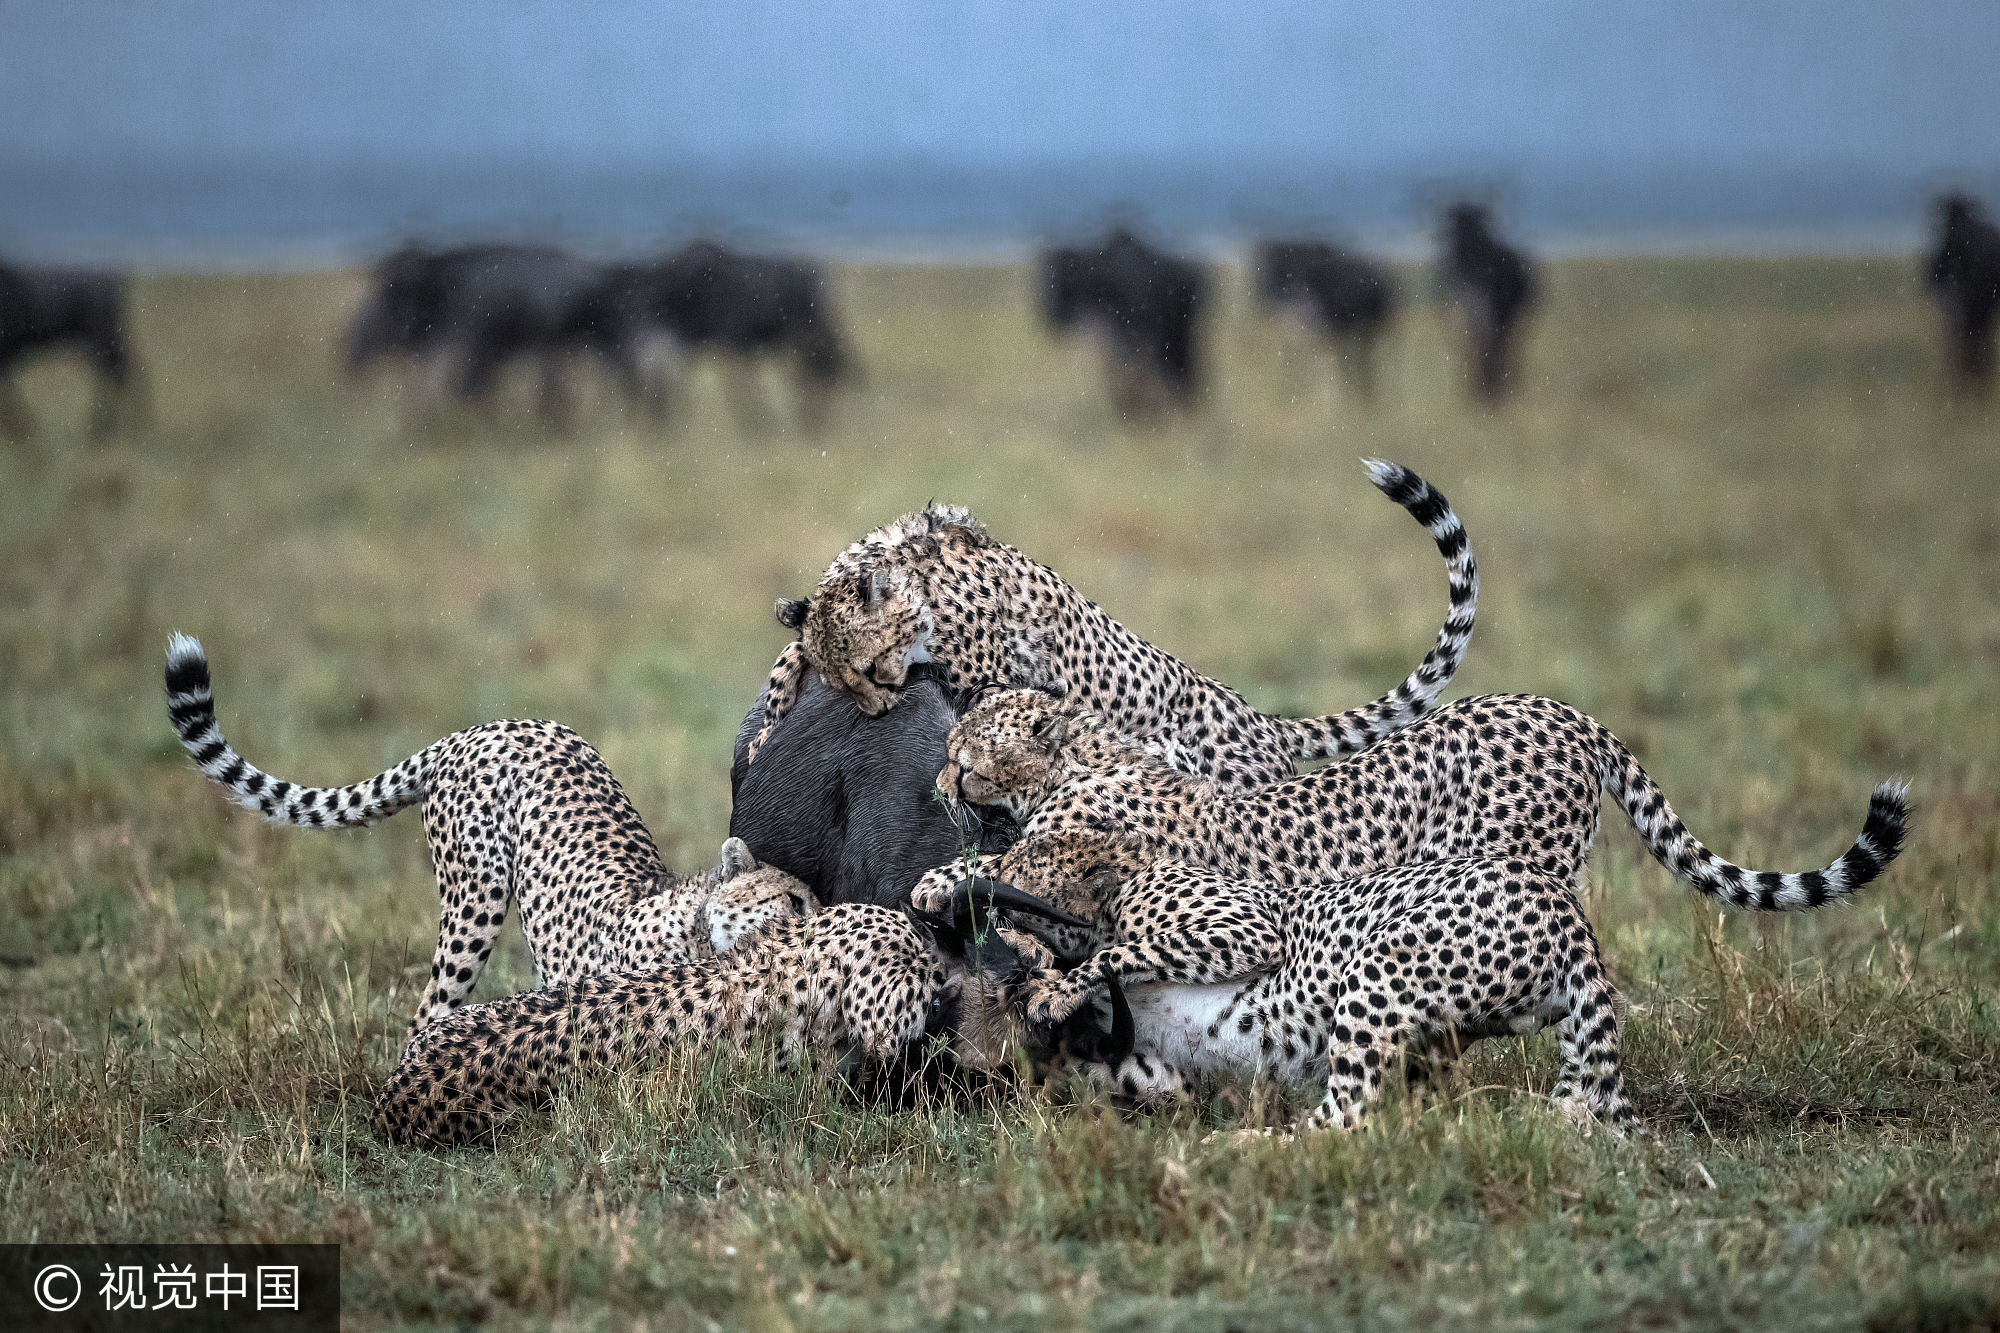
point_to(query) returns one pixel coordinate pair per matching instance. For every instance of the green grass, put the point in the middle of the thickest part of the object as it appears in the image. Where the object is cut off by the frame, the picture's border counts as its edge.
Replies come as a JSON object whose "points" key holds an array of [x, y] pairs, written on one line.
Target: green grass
{"points": [[1731, 515]]}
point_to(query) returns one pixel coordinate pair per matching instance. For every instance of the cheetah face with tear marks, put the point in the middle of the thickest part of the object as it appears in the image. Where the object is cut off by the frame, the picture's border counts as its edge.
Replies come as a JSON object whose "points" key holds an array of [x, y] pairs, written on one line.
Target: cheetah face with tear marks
{"points": [[865, 632], [745, 898], [1005, 749]]}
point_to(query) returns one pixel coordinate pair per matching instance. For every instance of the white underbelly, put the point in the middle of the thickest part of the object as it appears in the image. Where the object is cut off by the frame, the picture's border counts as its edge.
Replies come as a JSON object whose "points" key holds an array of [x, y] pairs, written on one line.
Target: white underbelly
{"points": [[1173, 1023]]}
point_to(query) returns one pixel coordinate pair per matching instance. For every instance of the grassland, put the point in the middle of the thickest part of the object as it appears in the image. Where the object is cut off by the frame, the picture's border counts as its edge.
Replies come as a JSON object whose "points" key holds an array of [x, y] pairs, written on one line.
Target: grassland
{"points": [[1731, 514]]}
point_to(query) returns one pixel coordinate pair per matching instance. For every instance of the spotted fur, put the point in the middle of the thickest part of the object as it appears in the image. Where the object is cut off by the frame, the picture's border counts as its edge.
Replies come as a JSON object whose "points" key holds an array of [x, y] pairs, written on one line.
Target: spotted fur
{"points": [[934, 587], [857, 980], [1166, 926], [514, 811], [1513, 776], [1423, 958]]}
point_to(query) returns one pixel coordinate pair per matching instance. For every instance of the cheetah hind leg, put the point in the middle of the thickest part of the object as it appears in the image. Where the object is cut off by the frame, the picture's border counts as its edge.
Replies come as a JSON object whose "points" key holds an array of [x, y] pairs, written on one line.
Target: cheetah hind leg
{"points": [[1591, 1087], [475, 884]]}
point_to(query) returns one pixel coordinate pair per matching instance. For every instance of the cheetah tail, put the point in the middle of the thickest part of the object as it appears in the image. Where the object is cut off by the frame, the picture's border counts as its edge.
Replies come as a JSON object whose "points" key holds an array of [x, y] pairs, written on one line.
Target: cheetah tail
{"points": [[1668, 839], [192, 708], [1359, 728]]}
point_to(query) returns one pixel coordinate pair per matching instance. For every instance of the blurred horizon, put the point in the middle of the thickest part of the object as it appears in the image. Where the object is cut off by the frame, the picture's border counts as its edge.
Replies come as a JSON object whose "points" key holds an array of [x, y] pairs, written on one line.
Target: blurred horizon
{"points": [[207, 133]]}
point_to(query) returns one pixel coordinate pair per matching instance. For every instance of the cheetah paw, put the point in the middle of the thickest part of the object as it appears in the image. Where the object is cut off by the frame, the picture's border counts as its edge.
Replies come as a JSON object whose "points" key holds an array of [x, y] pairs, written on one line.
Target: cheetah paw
{"points": [[1246, 1134]]}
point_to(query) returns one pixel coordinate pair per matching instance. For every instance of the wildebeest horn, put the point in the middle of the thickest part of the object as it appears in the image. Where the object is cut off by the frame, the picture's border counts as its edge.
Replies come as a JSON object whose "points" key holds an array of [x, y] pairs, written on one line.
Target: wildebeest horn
{"points": [[1084, 1040], [1124, 1036], [994, 895], [984, 952], [942, 927]]}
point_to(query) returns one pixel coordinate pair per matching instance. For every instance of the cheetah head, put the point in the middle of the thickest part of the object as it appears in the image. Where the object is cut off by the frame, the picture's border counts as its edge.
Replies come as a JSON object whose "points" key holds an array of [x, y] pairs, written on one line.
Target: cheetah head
{"points": [[863, 630], [1077, 870], [1004, 751], [745, 898]]}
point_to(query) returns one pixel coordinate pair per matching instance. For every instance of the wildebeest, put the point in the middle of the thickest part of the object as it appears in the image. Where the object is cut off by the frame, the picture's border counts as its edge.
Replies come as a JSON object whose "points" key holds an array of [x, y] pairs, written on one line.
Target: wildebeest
{"points": [[1142, 305], [708, 298], [1493, 285], [843, 800], [62, 307], [462, 314], [1348, 298], [1964, 276]]}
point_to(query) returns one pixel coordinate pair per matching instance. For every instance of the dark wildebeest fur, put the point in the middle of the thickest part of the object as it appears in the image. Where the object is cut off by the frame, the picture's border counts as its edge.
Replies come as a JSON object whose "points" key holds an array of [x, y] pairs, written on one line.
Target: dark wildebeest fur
{"points": [[1143, 306], [464, 313], [53, 308], [1347, 298], [708, 298], [1493, 284], [843, 800], [1964, 277]]}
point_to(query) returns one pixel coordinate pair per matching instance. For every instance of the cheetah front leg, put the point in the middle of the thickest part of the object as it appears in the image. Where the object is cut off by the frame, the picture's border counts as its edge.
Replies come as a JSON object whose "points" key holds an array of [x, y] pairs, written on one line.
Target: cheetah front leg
{"points": [[1141, 1078], [1138, 1077], [932, 891], [781, 690]]}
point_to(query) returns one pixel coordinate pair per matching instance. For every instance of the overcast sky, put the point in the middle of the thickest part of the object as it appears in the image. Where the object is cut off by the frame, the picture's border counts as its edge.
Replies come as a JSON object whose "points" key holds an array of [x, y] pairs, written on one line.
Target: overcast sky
{"points": [[1504, 87]]}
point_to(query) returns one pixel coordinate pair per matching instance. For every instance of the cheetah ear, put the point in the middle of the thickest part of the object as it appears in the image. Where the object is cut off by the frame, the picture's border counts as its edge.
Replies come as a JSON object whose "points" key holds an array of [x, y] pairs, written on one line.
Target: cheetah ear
{"points": [[736, 859], [1053, 732], [877, 589], [792, 613], [1100, 878]]}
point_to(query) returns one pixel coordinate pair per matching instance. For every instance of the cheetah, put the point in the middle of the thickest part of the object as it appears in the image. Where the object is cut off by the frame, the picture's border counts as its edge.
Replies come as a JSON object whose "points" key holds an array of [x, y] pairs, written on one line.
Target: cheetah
{"points": [[933, 586], [865, 982], [1514, 776], [1331, 982], [1120, 897], [513, 811]]}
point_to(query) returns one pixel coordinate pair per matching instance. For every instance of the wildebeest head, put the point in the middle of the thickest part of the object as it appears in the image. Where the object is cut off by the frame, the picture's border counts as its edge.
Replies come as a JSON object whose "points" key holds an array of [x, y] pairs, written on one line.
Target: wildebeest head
{"points": [[989, 966], [1468, 224], [1956, 211], [406, 298], [1068, 291]]}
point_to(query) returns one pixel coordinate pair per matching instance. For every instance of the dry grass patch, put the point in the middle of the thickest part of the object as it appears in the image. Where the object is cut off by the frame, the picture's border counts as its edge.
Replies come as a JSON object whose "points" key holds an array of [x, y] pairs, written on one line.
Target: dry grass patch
{"points": [[1730, 515]]}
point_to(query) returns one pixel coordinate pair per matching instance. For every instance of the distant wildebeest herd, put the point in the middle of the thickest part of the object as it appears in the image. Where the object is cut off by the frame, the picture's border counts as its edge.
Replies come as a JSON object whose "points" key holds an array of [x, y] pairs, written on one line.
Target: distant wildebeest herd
{"points": [[982, 834], [456, 317]]}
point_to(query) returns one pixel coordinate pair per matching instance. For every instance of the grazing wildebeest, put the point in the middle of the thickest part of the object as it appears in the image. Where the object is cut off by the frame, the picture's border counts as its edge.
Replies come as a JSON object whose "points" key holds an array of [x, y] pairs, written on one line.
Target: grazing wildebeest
{"points": [[1348, 298], [1493, 284], [843, 800], [1142, 306], [1964, 276], [462, 314], [61, 307], [708, 298]]}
